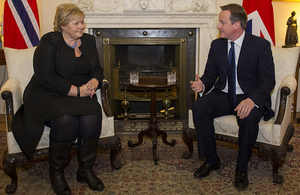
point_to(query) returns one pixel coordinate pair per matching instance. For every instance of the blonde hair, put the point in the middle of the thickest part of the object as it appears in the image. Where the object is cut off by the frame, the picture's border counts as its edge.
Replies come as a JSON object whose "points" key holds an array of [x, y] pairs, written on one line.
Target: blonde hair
{"points": [[64, 14]]}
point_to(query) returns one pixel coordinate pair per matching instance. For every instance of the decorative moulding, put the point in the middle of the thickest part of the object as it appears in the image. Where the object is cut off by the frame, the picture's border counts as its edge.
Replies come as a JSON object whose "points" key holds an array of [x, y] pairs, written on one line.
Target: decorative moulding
{"points": [[146, 6]]}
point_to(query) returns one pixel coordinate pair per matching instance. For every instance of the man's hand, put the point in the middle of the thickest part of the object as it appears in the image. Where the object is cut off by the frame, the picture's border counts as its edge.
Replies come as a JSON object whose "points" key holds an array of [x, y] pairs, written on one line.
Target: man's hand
{"points": [[197, 86], [244, 108]]}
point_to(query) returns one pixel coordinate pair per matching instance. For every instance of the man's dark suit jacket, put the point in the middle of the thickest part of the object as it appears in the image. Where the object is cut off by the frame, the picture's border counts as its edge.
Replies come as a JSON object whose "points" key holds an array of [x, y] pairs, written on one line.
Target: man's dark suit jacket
{"points": [[255, 69]]}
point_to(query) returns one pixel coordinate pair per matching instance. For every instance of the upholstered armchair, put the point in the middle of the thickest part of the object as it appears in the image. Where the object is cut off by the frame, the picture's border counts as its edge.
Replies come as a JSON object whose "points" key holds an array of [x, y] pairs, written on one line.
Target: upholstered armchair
{"points": [[274, 135], [20, 70]]}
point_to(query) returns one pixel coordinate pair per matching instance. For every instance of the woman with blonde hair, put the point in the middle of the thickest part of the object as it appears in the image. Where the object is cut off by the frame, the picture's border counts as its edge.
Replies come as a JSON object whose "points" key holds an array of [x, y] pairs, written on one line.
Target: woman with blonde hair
{"points": [[61, 95]]}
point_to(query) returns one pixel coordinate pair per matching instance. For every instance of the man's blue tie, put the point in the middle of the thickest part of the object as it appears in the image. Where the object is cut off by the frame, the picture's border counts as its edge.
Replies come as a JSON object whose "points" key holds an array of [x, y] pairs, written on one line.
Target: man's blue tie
{"points": [[231, 76]]}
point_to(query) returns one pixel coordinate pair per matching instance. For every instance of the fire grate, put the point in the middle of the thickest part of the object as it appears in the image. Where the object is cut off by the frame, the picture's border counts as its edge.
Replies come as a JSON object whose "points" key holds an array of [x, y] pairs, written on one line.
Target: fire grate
{"points": [[137, 126]]}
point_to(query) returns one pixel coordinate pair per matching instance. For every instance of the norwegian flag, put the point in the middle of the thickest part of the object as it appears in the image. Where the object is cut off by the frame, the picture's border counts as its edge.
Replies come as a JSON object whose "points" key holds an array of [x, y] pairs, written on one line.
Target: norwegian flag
{"points": [[260, 18], [21, 24]]}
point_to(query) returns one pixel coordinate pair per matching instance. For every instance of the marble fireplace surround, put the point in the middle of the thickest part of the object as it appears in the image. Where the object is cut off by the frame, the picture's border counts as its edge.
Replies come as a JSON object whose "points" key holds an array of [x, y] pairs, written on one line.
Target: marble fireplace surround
{"points": [[199, 14]]}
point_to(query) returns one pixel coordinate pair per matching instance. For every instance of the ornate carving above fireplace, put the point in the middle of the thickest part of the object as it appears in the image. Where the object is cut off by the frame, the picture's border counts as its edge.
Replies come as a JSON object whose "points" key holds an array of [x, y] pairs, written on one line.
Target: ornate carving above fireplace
{"points": [[167, 6]]}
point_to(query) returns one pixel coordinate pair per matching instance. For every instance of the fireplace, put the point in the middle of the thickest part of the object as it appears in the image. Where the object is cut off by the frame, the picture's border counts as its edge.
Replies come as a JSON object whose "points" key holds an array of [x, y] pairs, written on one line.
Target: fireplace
{"points": [[151, 52]]}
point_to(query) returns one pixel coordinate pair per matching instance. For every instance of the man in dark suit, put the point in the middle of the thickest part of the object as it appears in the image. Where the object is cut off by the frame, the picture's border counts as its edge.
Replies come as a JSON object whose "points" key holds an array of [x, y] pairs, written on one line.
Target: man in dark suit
{"points": [[243, 91]]}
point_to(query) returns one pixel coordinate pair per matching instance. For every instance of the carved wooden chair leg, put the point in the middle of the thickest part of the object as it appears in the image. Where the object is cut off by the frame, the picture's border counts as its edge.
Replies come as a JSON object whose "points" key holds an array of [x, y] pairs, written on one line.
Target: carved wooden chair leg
{"points": [[188, 136], [278, 158], [10, 163], [291, 131], [279, 153], [290, 148], [115, 149], [114, 144]]}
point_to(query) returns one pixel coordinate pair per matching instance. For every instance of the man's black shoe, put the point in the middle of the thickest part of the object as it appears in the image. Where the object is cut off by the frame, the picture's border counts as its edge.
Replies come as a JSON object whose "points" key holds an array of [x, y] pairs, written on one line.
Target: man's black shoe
{"points": [[205, 169], [241, 181]]}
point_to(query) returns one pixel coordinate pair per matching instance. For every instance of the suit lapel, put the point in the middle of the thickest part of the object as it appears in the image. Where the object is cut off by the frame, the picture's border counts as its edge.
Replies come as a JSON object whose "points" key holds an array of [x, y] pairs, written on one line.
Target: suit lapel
{"points": [[245, 50], [224, 55]]}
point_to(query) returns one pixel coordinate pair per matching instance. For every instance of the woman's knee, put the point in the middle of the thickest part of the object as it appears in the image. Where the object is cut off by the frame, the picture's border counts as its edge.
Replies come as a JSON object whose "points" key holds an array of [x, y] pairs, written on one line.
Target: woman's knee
{"points": [[63, 129], [90, 120], [90, 126], [63, 122]]}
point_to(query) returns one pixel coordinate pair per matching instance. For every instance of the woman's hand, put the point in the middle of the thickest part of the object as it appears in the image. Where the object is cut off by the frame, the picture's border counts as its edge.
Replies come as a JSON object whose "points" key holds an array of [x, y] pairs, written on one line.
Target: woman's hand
{"points": [[88, 89], [91, 86]]}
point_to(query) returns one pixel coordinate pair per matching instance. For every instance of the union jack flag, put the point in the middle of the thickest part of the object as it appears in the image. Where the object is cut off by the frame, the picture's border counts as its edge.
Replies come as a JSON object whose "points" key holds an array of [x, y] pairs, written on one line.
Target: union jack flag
{"points": [[260, 18], [21, 24]]}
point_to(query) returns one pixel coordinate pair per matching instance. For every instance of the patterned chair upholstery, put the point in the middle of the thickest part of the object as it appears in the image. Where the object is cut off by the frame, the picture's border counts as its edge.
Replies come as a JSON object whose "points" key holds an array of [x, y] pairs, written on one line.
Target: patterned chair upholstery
{"points": [[20, 69], [274, 135]]}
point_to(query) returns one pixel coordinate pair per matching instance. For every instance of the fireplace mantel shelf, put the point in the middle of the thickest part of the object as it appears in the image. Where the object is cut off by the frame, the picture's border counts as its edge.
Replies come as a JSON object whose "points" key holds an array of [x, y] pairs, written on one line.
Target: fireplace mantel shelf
{"points": [[145, 14], [135, 20]]}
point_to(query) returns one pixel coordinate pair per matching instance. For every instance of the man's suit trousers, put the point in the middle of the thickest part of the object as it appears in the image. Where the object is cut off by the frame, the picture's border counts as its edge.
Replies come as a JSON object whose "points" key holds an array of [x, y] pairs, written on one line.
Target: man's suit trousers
{"points": [[213, 105]]}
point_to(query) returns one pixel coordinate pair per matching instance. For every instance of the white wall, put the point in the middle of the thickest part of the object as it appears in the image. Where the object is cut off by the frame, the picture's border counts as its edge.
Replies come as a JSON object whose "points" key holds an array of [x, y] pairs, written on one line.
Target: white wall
{"points": [[282, 11], [46, 11]]}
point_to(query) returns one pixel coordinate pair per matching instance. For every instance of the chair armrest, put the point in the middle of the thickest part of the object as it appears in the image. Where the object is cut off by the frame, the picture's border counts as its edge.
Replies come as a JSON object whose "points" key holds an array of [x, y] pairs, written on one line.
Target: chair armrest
{"points": [[12, 89], [103, 98], [108, 128], [283, 106], [12, 94]]}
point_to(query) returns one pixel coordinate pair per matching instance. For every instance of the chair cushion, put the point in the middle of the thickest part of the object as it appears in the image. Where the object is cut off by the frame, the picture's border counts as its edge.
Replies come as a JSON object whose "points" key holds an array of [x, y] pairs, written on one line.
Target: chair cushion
{"points": [[227, 125]]}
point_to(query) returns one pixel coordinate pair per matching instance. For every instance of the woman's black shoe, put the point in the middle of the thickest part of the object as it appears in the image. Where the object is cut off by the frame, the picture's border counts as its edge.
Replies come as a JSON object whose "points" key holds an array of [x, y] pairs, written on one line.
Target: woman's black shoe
{"points": [[86, 174]]}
